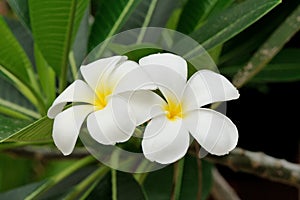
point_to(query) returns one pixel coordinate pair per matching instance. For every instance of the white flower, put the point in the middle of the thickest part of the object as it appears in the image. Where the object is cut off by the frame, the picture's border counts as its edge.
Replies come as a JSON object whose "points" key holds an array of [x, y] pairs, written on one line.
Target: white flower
{"points": [[94, 101], [166, 137]]}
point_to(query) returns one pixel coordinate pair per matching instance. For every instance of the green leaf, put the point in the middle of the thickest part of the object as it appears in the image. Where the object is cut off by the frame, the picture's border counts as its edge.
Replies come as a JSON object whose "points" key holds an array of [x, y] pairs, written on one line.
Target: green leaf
{"points": [[21, 68], [21, 192], [14, 110], [9, 126], [232, 21], [190, 179], [195, 12], [20, 8], [269, 48], [109, 18], [150, 13], [46, 77], [10, 177], [158, 184], [11, 94], [54, 25], [39, 131], [18, 71], [127, 188], [283, 68]]}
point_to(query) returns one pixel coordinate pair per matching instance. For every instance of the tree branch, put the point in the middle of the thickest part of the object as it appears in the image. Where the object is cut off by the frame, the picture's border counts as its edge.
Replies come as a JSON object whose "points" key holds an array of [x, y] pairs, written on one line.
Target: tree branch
{"points": [[260, 164]]}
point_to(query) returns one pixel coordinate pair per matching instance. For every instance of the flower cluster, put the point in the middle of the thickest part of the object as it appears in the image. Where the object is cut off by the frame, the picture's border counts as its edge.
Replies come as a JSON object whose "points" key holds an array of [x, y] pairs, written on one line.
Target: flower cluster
{"points": [[118, 95]]}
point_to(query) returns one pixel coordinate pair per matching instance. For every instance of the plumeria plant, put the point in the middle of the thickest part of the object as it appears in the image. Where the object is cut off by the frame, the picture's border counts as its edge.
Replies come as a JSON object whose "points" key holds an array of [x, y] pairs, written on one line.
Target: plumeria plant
{"points": [[126, 99]]}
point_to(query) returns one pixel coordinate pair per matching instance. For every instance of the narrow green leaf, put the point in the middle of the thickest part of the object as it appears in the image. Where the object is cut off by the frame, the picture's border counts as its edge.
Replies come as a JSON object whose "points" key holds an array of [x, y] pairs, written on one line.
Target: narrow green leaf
{"points": [[109, 18], [20, 8], [84, 185], [54, 26], [26, 90], [52, 181], [46, 77], [195, 12], [11, 94], [16, 111], [232, 21], [269, 49], [283, 68], [39, 131], [10, 47]]}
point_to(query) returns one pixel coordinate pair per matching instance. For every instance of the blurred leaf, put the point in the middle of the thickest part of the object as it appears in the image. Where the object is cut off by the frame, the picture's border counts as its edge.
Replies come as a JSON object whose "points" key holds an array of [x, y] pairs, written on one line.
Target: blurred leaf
{"points": [[227, 24], [54, 25], [190, 182], [39, 131], [269, 48], [81, 39], [127, 188], [20, 8], [58, 185], [21, 192], [109, 18], [10, 177], [158, 184], [195, 12], [284, 67]]}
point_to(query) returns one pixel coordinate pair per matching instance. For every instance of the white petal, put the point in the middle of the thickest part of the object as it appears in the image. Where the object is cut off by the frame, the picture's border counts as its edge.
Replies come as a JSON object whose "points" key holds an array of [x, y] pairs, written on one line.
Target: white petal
{"points": [[172, 61], [133, 80], [144, 105], [99, 70], [170, 83], [78, 91], [206, 87], [165, 141], [67, 125], [112, 124], [120, 71], [213, 131]]}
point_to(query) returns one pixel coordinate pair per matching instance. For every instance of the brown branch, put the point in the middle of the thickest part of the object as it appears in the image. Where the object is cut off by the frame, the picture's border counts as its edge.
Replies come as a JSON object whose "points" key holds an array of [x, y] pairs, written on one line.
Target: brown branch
{"points": [[261, 165], [256, 163], [221, 190]]}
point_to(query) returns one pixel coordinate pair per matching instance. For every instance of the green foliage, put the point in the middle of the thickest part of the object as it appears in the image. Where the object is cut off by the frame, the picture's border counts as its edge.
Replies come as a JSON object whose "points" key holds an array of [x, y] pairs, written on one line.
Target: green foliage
{"points": [[39, 131], [109, 18], [58, 36], [227, 24]]}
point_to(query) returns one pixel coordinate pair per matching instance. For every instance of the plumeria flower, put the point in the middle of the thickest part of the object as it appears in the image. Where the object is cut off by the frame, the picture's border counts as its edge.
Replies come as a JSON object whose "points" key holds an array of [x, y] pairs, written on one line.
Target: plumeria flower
{"points": [[166, 137], [93, 100]]}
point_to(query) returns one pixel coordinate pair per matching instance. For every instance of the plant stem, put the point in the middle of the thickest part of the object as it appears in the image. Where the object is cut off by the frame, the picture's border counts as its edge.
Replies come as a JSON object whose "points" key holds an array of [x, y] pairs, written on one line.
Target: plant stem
{"points": [[114, 184], [60, 176], [177, 178]]}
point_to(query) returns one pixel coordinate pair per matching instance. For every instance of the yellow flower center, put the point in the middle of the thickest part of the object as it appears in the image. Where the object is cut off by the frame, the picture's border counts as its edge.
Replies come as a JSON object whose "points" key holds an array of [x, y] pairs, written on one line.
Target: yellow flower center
{"points": [[101, 98], [173, 110]]}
